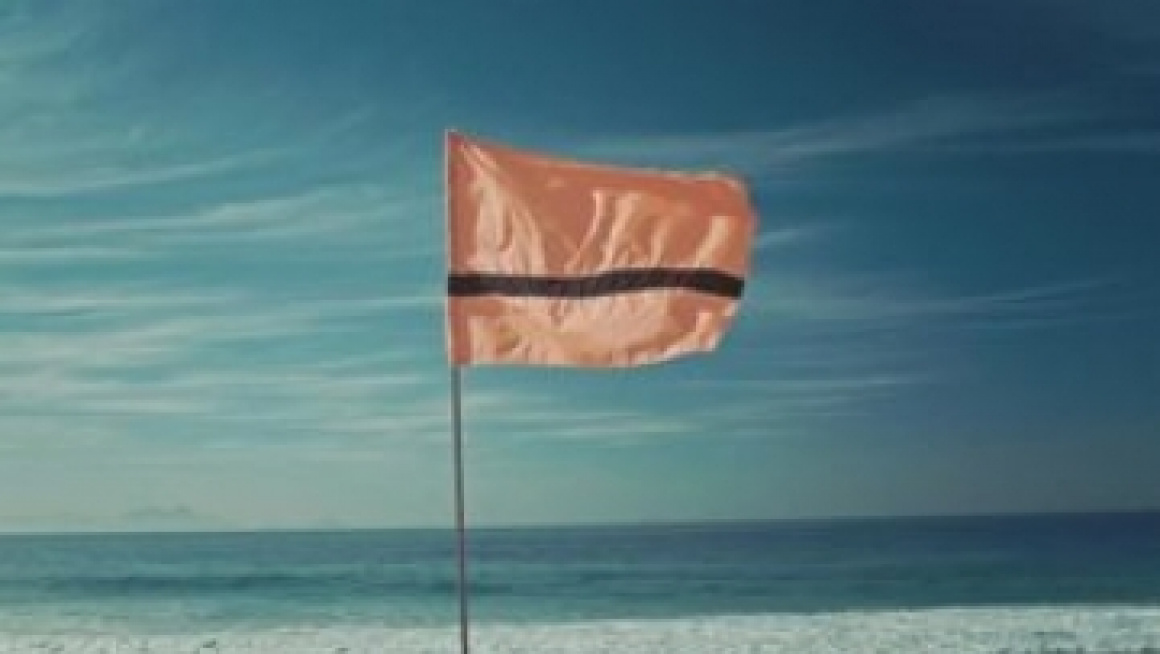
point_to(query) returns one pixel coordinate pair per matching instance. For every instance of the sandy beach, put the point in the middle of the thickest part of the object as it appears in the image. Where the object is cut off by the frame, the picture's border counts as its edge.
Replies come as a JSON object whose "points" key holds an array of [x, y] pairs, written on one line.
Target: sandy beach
{"points": [[948, 631]]}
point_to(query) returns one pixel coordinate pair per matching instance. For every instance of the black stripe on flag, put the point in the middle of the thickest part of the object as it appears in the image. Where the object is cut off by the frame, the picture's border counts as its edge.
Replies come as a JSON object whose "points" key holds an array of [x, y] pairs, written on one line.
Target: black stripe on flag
{"points": [[704, 280]]}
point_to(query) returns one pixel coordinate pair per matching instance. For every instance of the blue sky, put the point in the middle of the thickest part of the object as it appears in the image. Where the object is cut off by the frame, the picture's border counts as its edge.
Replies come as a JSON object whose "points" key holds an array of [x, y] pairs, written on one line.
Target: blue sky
{"points": [[221, 260]]}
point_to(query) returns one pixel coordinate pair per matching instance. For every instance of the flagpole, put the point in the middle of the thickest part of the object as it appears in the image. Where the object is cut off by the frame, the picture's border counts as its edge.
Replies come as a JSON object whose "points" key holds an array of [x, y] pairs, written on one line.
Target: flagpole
{"points": [[457, 427], [460, 511]]}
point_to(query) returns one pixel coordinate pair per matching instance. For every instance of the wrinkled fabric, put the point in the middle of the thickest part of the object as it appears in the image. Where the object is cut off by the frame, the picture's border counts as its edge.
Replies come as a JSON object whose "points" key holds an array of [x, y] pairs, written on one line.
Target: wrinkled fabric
{"points": [[535, 217]]}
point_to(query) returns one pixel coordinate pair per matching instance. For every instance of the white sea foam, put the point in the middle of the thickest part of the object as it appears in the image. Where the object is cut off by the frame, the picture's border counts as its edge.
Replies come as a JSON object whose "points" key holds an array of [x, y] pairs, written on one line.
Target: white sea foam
{"points": [[1090, 630]]}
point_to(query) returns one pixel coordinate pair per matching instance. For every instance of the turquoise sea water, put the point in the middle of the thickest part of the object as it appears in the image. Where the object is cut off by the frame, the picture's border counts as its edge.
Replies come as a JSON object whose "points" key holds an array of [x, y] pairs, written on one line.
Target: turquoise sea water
{"points": [[177, 583]]}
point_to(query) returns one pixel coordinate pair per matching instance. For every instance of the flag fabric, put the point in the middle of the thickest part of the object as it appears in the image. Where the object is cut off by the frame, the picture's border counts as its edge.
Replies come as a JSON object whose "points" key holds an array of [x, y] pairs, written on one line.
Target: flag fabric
{"points": [[558, 262]]}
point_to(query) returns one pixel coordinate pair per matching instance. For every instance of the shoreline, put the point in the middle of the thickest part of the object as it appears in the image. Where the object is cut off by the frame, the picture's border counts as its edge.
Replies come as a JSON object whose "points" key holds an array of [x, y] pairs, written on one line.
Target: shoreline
{"points": [[983, 630]]}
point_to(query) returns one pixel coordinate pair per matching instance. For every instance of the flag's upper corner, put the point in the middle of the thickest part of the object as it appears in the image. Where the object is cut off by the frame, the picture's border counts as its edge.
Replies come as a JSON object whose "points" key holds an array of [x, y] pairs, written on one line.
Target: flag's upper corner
{"points": [[459, 143]]}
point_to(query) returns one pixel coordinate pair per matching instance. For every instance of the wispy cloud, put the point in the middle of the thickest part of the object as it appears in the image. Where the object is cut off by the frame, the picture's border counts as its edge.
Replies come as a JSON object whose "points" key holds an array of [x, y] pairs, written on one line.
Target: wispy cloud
{"points": [[834, 343], [784, 237], [866, 298], [67, 254], [535, 417], [106, 302], [1143, 141], [68, 151], [108, 357], [142, 326], [351, 210], [945, 124], [31, 32], [814, 386], [238, 310], [803, 399], [67, 130]]}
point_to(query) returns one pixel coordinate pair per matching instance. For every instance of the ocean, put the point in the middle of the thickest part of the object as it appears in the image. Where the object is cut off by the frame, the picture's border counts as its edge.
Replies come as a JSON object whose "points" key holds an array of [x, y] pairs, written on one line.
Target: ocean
{"points": [[1058, 584]]}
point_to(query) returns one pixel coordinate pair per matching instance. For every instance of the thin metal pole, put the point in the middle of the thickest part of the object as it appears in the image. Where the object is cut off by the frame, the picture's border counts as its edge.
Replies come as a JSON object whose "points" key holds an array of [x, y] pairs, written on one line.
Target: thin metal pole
{"points": [[456, 415], [460, 511]]}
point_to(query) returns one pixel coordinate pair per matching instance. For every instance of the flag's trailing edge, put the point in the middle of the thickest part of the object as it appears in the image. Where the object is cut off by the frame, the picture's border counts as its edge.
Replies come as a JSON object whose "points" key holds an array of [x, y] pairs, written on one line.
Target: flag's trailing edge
{"points": [[558, 262]]}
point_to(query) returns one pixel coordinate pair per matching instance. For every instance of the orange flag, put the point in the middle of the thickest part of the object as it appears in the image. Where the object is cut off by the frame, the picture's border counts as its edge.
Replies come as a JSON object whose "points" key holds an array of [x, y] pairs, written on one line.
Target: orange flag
{"points": [[557, 262]]}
